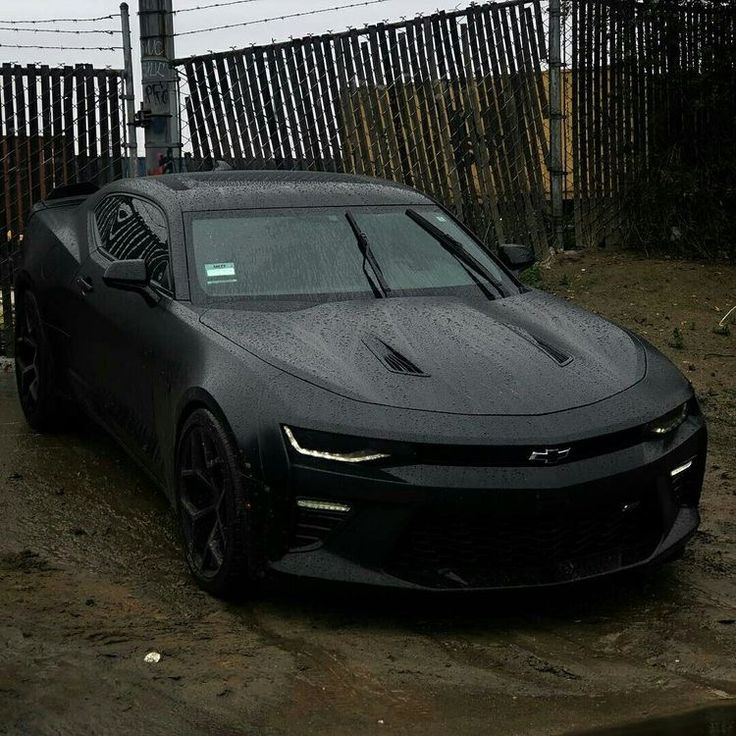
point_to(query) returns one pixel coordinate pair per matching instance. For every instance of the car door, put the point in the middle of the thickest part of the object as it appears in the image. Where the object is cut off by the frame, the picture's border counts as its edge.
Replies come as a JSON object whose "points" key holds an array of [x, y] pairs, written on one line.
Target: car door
{"points": [[116, 337]]}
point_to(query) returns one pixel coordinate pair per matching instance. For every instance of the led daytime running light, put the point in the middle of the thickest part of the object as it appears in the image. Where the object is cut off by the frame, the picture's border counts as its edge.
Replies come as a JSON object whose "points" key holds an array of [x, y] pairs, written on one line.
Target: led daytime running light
{"points": [[360, 456]]}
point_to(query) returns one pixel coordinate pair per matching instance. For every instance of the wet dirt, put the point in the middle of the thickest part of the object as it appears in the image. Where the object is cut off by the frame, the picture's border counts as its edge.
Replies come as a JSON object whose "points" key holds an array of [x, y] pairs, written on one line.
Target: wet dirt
{"points": [[92, 579]]}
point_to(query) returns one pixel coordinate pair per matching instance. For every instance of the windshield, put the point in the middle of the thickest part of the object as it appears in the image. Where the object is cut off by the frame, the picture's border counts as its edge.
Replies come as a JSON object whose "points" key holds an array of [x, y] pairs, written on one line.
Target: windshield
{"points": [[317, 254]]}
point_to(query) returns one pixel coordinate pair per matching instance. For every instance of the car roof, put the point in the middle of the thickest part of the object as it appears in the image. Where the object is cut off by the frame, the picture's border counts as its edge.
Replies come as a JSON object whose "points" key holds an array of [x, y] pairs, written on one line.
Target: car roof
{"points": [[219, 190]]}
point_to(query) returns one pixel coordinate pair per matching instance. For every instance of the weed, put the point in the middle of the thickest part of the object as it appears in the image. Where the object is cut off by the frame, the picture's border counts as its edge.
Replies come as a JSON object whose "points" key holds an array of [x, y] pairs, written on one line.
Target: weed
{"points": [[724, 330], [677, 341], [532, 277]]}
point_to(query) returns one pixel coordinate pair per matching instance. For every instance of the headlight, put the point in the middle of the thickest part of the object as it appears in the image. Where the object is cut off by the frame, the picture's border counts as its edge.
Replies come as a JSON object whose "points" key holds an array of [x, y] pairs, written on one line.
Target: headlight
{"points": [[338, 448], [669, 422]]}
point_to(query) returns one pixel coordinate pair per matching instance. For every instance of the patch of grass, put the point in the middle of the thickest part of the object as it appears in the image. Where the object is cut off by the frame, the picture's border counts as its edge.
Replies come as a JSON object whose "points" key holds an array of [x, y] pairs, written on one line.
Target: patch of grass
{"points": [[677, 341], [531, 277], [565, 281]]}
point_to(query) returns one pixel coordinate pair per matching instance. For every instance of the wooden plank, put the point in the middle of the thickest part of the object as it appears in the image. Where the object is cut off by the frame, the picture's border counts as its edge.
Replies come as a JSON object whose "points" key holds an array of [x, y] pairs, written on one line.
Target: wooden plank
{"points": [[356, 156], [193, 134], [57, 125], [22, 148], [300, 127], [214, 93], [225, 93], [286, 102], [91, 103], [105, 102], [80, 119], [197, 125], [310, 130], [34, 147], [10, 169], [117, 133], [47, 182], [205, 100]]}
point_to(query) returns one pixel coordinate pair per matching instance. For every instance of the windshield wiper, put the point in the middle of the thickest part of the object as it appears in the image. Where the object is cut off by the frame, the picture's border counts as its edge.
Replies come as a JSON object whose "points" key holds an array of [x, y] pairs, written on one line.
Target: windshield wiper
{"points": [[470, 263], [378, 285]]}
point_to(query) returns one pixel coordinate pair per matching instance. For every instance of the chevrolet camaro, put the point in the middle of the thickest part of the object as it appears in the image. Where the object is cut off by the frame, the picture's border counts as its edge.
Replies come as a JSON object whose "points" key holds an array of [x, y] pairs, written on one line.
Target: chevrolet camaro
{"points": [[331, 377]]}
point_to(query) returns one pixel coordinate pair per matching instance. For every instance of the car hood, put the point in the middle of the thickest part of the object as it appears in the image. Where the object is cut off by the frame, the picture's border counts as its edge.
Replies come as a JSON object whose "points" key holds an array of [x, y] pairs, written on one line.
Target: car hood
{"points": [[523, 355]]}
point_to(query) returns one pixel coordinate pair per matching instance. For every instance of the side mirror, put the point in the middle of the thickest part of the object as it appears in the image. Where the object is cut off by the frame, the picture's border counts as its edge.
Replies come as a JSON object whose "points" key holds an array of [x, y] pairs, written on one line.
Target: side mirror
{"points": [[127, 274], [517, 257]]}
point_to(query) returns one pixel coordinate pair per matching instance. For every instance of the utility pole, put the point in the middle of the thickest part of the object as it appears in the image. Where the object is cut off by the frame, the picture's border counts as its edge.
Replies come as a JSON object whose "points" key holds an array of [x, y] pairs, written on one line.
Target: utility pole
{"points": [[129, 92], [556, 170], [159, 113]]}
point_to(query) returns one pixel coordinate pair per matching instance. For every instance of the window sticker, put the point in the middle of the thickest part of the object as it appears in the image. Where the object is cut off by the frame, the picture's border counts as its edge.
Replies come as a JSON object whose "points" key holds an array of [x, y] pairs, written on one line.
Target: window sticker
{"points": [[220, 273]]}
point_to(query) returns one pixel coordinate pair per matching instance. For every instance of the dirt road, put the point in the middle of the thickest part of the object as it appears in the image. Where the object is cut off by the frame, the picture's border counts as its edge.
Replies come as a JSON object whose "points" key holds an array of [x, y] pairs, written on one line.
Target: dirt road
{"points": [[91, 580]]}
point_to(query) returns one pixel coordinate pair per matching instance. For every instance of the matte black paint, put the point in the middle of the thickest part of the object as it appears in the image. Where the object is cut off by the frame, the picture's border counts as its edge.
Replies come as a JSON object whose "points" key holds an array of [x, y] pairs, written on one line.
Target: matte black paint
{"points": [[526, 370]]}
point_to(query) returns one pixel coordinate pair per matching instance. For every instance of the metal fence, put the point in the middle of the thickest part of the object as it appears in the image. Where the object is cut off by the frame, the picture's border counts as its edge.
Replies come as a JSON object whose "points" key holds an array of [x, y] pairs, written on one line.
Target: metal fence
{"points": [[454, 103], [654, 125], [57, 125]]}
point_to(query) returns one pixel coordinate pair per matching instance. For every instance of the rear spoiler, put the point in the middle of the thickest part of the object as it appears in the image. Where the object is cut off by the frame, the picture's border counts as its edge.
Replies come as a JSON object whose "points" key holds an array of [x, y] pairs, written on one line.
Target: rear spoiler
{"points": [[68, 195], [82, 189]]}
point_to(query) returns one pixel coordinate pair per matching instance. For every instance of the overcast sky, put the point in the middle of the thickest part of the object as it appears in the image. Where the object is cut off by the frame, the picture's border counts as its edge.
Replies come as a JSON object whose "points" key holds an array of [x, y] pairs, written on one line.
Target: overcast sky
{"points": [[193, 44]]}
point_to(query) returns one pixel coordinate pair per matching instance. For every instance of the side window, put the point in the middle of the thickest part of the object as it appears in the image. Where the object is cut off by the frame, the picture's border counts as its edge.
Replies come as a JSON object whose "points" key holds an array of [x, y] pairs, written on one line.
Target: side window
{"points": [[131, 228]]}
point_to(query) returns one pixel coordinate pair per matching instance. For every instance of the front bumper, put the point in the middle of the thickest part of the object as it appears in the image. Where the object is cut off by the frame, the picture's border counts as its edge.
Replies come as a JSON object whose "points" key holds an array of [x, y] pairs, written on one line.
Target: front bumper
{"points": [[440, 527]]}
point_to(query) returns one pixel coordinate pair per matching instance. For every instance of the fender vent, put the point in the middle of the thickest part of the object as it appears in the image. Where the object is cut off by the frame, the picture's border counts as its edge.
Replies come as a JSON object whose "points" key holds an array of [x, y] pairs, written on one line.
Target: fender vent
{"points": [[392, 359]]}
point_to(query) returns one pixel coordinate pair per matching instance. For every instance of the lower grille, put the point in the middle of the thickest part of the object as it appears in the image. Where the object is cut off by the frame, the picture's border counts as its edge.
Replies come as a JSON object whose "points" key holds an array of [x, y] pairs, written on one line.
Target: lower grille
{"points": [[311, 528], [550, 541]]}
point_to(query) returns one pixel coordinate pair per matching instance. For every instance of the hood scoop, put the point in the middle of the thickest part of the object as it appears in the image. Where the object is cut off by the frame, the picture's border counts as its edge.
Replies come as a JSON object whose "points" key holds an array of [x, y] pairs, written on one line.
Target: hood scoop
{"points": [[392, 359]]}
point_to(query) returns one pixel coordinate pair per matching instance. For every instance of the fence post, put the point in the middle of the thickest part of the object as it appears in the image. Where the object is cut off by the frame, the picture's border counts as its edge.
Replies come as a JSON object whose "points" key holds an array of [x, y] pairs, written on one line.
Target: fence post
{"points": [[556, 170], [160, 105], [129, 93]]}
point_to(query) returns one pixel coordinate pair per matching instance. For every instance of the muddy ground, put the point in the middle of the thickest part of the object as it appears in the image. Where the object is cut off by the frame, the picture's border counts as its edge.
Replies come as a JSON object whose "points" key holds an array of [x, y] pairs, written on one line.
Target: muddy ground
{"points": [[91, 579]]}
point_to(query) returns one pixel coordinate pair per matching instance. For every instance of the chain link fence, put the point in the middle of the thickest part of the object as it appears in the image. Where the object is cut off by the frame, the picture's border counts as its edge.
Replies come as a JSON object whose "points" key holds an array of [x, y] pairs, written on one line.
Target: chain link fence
{"points": [[654, 125], [454, 103], [57, 126]]}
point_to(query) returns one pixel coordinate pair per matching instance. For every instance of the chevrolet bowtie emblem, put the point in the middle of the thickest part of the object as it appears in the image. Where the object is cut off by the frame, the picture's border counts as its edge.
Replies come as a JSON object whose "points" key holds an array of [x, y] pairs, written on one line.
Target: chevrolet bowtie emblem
{"points": [[549, 456]]}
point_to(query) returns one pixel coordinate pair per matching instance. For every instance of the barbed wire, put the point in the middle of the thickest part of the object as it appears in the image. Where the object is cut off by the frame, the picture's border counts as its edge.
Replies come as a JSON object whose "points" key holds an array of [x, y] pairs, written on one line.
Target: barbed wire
{"points": [[60, 48], [60, 20], [300, 14], [109, 31], [215, 5]]}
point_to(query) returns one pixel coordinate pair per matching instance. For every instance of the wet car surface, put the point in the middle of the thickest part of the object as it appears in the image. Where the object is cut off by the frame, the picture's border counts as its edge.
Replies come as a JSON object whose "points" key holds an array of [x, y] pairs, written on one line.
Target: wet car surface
{"points": [[91, 580]]}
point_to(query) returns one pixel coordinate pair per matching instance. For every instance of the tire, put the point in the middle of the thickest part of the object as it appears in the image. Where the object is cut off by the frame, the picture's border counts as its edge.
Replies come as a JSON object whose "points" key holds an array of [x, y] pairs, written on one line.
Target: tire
{"points": [[34, 368], [214, 508]]}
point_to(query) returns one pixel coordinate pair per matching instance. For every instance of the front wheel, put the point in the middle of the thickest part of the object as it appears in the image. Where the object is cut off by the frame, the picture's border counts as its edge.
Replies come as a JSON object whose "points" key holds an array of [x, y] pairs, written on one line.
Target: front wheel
{"points": [[214, 508], [34, 367]]}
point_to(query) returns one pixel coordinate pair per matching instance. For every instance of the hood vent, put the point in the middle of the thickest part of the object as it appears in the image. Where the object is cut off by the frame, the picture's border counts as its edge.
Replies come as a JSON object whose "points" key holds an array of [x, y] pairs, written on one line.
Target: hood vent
{"points": [[559, 356], [392, 359], [553, 352]]}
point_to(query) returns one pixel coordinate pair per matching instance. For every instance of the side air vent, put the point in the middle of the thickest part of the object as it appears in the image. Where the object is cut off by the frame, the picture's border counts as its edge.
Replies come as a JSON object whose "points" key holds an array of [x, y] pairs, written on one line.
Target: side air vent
{"points": [[392, 359]]}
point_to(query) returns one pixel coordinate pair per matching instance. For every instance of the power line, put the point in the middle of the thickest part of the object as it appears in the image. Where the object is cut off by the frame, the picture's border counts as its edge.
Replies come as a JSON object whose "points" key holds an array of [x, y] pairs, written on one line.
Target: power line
{"points": [[109, 31], [60, 48], [60, 20], [282, 17], [215, 5]]}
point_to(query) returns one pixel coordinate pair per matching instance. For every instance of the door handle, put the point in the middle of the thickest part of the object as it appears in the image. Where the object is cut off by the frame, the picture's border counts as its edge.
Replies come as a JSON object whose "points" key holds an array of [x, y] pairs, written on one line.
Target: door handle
{"points": [[85, 284]]}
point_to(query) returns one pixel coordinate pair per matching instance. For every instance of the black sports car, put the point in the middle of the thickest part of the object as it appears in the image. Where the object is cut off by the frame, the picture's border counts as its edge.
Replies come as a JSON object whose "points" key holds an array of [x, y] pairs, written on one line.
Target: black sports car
{"points": [[331, 377]]}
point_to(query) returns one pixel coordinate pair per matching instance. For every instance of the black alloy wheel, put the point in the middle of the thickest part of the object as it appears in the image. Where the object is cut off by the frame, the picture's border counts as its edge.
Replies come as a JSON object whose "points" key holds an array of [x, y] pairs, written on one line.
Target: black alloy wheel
{"points": [[213, 507], [34, 366]]}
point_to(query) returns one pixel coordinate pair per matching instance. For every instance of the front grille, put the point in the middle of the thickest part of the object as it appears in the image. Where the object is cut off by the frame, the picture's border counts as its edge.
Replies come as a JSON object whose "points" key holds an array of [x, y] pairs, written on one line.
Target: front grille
{"points": [[553, 540]]}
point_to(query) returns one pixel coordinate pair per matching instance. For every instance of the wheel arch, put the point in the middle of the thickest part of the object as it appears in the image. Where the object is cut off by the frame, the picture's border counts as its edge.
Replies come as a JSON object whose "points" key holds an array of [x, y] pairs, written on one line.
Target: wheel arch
{"points": [[199, 398]]}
